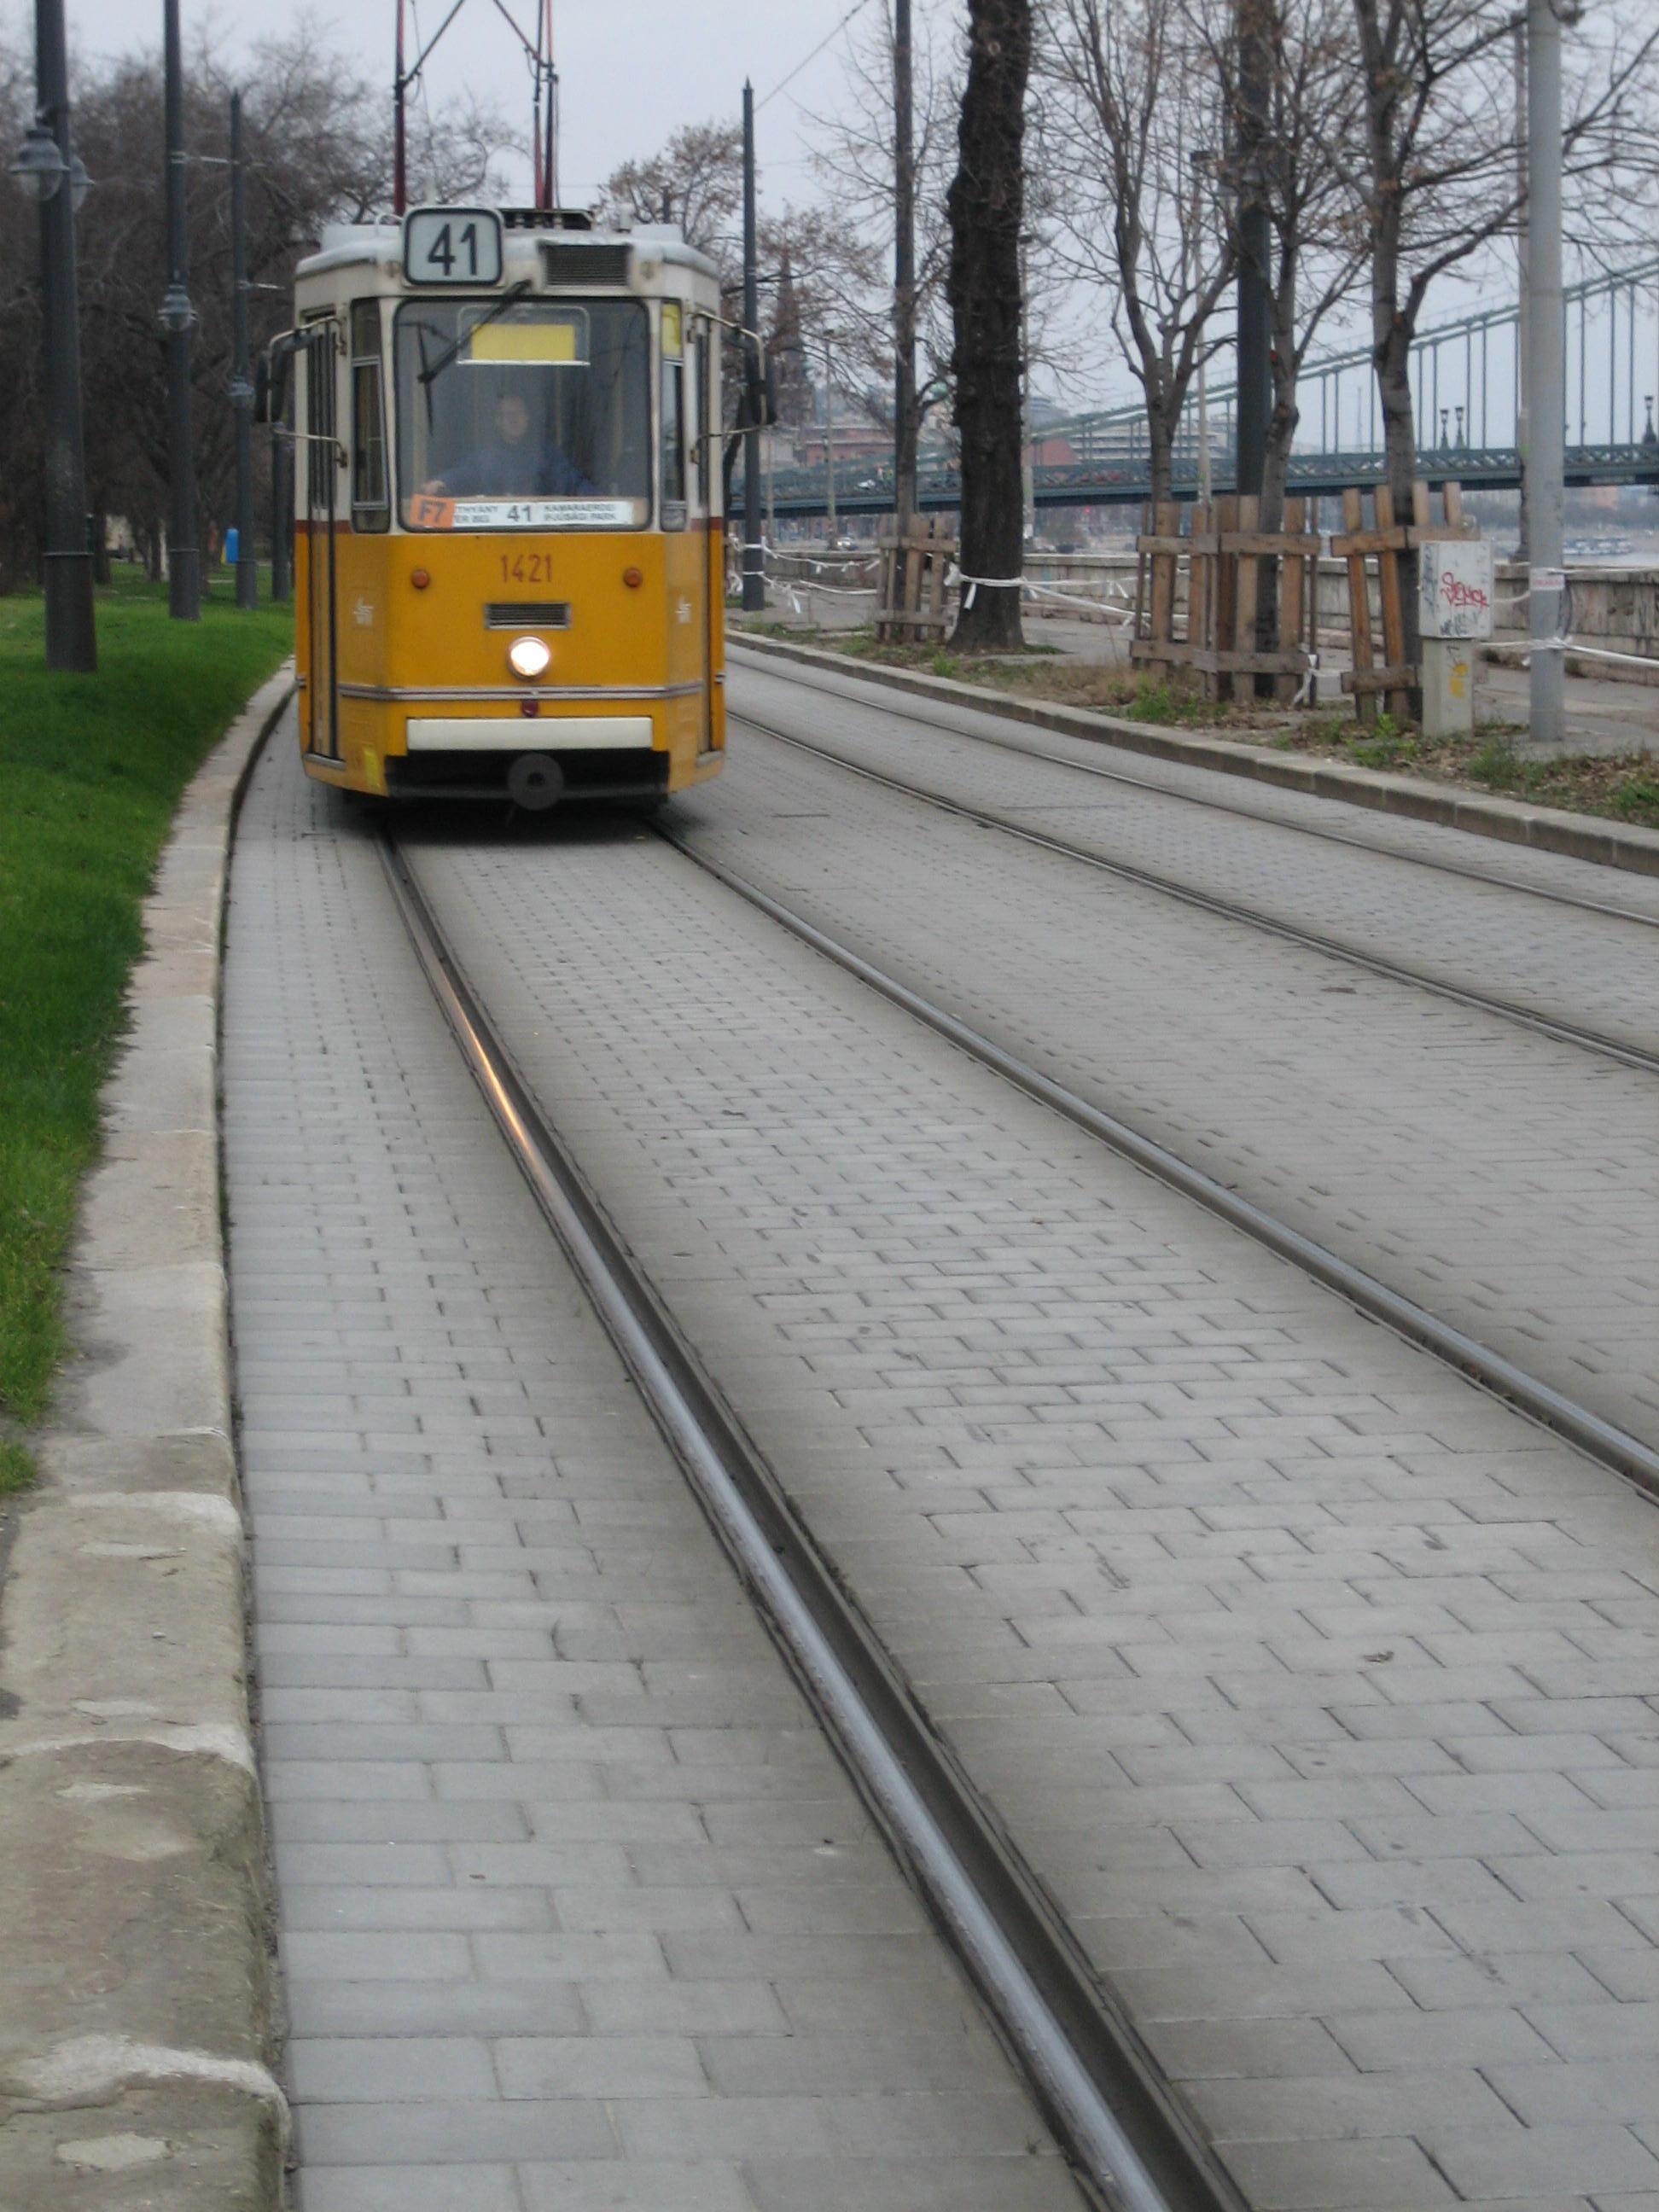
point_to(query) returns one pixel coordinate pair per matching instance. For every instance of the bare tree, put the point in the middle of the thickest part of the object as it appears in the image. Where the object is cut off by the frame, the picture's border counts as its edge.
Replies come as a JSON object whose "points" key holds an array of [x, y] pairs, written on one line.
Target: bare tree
{"points": [[1133, 108], [986, 207], [22, 516], [317, 140], [854, 157], [695, 180], [1435, 175], [1295, 169]]}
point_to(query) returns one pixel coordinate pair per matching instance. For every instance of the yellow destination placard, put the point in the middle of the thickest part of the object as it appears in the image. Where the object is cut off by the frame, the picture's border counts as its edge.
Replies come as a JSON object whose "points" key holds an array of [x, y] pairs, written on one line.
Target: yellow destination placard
{"points": [[539, 343]]}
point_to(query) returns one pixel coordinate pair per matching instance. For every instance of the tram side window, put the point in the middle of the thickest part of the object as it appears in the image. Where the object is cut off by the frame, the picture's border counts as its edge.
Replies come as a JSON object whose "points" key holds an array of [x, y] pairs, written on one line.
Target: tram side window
{"points": [[674, 445], [371, 506]]}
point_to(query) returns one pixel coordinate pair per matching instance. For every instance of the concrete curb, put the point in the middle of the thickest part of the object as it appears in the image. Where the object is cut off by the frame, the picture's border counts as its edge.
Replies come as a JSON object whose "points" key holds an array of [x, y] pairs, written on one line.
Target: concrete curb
{"points": [[1544, 828], [137, 2030]]}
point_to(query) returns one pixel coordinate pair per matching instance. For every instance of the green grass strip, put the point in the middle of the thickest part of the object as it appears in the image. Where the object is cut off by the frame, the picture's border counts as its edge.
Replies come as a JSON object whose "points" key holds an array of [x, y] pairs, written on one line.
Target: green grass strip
{"points": [[16, 1466], [91, 771]]}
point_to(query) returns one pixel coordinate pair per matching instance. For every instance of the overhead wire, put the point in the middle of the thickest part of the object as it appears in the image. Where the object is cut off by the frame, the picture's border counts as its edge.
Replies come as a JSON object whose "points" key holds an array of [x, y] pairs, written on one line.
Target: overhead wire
{"points": [[783, 82]]}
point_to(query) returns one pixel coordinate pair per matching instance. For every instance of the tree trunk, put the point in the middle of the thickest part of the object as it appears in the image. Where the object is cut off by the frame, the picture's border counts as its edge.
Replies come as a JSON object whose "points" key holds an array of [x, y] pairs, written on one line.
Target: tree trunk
{"points": [[1276, 459], [1270, 513], [1160, 453], [987, 203], [1393, 392], [1393, 389]]}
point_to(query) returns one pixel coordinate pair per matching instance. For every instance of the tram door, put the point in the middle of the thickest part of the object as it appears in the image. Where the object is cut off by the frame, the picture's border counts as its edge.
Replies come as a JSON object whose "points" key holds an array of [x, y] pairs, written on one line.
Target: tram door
{"points": [[320, 477], [706, 446], [685, 539]]}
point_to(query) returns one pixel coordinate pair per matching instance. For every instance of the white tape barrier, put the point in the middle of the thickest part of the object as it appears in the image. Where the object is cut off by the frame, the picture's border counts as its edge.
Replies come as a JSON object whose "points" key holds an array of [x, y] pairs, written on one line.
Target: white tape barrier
{"points": [[1526, 646], [793, 586], [971, 586]]}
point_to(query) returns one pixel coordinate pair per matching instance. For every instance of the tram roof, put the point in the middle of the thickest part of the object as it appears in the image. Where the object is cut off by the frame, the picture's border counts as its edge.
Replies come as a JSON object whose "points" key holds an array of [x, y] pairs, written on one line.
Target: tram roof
{"points": [[379, 245]]}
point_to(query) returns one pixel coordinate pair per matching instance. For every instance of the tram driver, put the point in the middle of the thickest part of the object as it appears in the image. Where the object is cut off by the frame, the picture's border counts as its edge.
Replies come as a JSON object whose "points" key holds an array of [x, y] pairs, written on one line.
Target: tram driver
{"points": [[511, 462]]}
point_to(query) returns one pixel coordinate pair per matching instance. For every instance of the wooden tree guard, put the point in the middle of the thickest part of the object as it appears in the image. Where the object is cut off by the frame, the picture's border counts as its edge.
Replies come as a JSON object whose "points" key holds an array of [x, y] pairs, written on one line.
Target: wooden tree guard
{"points": [[1390, 543], [1232, 561], [914, 569]]}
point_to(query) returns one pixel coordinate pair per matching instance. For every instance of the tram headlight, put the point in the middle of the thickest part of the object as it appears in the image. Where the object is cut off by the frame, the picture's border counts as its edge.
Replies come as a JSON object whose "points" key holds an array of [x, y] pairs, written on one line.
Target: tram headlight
{"points": [[529, 657]]}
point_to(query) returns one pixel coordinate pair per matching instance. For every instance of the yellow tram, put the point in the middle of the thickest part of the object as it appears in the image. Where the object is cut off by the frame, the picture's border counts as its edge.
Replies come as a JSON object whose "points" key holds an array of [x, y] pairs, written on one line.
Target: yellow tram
{"points": [[508, 547]]}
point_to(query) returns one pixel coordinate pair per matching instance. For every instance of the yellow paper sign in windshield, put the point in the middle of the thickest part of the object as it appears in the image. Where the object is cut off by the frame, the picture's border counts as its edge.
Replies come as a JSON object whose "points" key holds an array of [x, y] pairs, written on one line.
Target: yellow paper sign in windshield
{"points": [[670, 329], [553, 343]]}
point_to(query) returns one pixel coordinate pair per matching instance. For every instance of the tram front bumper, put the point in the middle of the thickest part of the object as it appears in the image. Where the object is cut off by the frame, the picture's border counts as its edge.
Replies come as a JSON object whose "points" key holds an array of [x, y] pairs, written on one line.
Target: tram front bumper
{"points": [[549, 733]]}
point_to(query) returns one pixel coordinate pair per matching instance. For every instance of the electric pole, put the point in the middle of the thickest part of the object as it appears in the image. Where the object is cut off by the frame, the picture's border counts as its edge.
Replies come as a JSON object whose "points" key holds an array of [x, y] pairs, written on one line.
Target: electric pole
{"points": [[904, 270], [47, 171], [1254, 381], [1523, 315], [178, 318], [1546, 399], [754, 578], [241, 380]]}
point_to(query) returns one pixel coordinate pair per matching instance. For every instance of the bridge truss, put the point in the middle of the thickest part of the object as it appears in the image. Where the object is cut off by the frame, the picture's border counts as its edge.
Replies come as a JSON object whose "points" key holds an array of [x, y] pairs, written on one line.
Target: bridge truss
{"points": [[1465, 387]]}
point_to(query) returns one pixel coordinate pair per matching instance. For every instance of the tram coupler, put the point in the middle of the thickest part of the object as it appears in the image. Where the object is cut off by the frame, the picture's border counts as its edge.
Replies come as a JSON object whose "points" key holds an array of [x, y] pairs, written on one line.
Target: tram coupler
{"points": [[535, 781]]}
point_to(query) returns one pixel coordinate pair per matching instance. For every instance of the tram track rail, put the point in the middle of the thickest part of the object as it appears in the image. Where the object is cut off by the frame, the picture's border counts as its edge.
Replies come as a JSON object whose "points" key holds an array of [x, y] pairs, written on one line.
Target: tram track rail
{"points": [[1629, 1055], [1602, 1440], [780, 673], [1098, 2084]]}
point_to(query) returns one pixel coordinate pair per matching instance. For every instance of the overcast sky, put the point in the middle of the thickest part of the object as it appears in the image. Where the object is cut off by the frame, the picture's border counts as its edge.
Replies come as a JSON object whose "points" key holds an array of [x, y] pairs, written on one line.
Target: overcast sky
{"points": [[631, 71]]}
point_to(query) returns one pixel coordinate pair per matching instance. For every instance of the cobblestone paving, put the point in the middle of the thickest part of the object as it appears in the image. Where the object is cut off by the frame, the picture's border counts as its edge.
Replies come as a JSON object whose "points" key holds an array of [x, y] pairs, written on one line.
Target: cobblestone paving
{"points": [[1506, 1181], [1318, 1686], [1475, 935], [577, 1910]]}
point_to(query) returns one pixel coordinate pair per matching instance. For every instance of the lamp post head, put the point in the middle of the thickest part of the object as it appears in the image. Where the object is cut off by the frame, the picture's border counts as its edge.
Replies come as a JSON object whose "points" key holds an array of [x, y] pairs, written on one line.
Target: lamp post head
{"points": [[79, 183], [176, 313], [38, 168]]}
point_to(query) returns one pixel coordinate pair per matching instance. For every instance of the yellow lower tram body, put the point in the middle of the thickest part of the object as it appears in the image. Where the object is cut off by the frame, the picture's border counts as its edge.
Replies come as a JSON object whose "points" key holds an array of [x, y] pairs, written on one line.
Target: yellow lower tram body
{"points": [[404, 647]]}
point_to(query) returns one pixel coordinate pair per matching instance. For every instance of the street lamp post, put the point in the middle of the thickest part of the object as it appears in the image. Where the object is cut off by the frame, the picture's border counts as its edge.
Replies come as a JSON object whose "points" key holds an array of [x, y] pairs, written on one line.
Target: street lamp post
{"points": [[48, 172], [1028, 438], [754, 574], [904, 271], [1547, 349], [241, 380], [178, 319], [830, 432]]}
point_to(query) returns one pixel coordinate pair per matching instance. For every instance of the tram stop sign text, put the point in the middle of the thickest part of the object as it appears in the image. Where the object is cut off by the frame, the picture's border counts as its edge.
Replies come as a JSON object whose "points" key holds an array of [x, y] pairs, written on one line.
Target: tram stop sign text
{"points": [[1454, 587]]}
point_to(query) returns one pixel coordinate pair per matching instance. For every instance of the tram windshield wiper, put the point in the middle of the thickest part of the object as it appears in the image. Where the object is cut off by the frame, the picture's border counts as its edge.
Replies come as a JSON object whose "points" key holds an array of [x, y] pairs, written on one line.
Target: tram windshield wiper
{"points": [[510, 298]]}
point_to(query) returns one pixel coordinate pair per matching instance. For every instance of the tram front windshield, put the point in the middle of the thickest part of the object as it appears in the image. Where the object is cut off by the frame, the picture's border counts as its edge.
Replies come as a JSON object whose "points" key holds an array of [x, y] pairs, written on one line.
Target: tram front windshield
{"points": [[533, 415]]}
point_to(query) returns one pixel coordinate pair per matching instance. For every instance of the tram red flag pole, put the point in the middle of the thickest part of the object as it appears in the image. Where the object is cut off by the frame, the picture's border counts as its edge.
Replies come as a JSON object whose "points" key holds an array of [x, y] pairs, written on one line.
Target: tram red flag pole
{"points": [[551, 157], [398, 200]]}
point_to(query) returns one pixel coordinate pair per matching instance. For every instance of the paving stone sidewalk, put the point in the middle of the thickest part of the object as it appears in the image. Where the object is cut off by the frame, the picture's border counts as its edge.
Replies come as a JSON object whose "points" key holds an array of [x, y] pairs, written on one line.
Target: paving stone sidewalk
{"points": [[1507, 1180], [1318, 1686], [1360, 879], [821, 692], [577, 1910]]}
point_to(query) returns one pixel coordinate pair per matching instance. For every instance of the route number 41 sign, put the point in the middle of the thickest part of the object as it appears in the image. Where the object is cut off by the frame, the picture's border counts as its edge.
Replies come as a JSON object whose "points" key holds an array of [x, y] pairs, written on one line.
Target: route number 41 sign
{"points": [[1454, 587]]}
